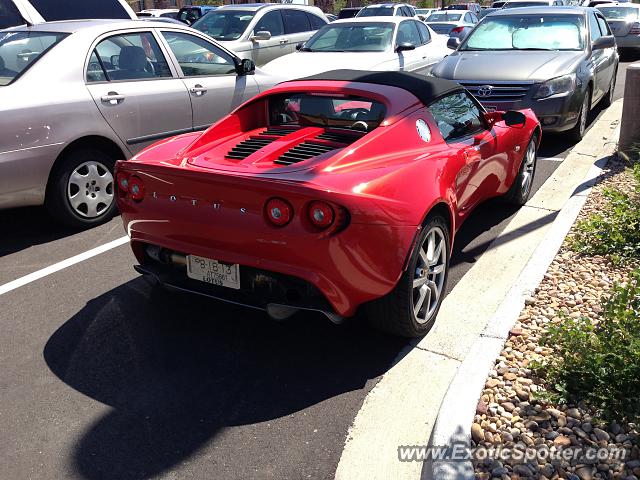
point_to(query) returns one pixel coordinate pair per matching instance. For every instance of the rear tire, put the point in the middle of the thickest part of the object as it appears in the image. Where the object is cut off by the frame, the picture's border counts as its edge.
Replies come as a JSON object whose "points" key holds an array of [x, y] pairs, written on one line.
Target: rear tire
{"points": [[81, 188], [520, 190], [607, 100], [410, 309]]}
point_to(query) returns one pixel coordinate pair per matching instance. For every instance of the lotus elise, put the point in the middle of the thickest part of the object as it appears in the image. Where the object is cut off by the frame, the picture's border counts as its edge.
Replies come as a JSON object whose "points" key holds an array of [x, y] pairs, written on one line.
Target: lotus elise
{"points": [[334, 193]]}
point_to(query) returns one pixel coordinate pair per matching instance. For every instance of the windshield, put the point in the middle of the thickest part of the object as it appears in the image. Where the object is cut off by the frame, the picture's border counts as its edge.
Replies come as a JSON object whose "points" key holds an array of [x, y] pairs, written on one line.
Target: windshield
{"points": [[305, 109], [20, 50], [381, 11], [619, 13], [9, 15], [524, 4], [443, 17], [527, 32], [351, 37], [225, 24]]}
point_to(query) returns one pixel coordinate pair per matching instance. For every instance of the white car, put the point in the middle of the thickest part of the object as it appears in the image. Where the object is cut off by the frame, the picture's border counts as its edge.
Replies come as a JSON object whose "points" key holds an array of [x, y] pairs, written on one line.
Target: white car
{"points": [[370, 43], [159, 13], [387, 10], [455, 23], [261, 31]]}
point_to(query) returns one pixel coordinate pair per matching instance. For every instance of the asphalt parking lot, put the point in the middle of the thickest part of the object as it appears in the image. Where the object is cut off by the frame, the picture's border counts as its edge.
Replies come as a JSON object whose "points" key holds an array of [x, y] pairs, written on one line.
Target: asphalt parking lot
{"points": [[106, 377]]}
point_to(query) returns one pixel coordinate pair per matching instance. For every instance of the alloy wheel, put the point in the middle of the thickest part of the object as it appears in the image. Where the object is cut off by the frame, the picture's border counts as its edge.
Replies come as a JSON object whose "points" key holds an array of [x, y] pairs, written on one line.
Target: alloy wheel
{"points": [[429, 275], [584, 113], [529, 168], [90, 189]]}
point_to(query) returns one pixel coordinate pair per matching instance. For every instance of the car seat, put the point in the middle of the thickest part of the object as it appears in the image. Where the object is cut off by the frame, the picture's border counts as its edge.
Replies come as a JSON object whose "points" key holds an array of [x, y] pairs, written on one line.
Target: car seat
{"points": [[132, 64]]}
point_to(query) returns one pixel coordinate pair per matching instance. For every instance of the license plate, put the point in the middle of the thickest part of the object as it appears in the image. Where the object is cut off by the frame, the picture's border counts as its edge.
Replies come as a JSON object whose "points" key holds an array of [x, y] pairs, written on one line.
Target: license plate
{"points": [[213, 272]]}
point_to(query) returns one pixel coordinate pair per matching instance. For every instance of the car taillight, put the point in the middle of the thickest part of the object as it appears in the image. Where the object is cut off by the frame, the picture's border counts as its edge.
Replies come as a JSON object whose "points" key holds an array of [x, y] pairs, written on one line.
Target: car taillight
{"points": [[123, 182], [456, 30], [635, 29], [279, 212], [321, 214], [136, 188]]}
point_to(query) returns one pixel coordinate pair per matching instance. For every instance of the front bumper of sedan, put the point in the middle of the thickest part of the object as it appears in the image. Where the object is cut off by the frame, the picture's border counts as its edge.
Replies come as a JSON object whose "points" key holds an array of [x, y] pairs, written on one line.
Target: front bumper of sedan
{"points": [[556, 113]]}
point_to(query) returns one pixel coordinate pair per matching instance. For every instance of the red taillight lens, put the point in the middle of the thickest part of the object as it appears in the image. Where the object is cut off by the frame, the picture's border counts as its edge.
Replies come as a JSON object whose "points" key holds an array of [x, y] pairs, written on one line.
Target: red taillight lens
{"points": [[278, 211], [321, 214], [123, 183], [456, 30], [136, 188]]}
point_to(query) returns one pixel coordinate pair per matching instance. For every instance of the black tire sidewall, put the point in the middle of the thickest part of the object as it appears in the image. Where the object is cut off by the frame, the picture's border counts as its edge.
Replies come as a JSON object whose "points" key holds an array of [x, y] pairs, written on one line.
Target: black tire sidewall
{"points": [[57, 202]]}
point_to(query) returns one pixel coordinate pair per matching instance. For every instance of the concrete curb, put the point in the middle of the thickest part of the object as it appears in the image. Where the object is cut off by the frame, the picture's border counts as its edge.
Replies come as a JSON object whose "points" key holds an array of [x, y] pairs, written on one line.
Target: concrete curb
{"points": [[459, 404]]}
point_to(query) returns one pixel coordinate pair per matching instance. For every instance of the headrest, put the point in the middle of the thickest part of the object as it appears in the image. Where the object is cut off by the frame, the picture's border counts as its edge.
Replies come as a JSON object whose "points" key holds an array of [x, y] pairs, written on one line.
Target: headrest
{"points": [[132, 58]]}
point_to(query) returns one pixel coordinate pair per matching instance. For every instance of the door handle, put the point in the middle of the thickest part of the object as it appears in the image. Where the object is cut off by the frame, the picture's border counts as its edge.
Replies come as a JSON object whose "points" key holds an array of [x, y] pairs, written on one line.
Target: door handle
{"points": [[198, 90], [283, 41], [112, 98]]}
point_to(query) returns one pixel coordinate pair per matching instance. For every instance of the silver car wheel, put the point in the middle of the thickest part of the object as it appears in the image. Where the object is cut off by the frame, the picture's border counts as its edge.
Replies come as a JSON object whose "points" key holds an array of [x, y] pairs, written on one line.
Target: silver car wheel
{"points": [[584, 114], [90, 189], [529, 168], [429, 276]]}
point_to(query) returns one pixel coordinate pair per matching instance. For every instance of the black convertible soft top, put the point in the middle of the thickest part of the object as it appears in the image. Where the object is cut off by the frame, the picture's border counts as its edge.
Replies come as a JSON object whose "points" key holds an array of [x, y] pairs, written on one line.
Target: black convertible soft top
{"points": [[427, 89]]}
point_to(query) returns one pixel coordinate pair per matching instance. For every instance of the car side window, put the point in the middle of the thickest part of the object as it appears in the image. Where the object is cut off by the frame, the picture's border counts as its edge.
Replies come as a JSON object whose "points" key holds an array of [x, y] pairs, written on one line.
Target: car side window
{"points": [[295, 21], [424, 33], [197, 57], [132, 56], [594, 28], [271, 22], [457, 116], [408, 33], [315, 21], [604, 26], [474, 18]]}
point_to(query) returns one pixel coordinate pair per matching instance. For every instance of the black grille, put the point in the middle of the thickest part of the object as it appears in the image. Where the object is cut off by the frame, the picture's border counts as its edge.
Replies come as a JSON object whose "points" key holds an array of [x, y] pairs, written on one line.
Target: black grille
{"points": [[302, 152], [248, 146], [337, 137], [503, 92], [279, 131]]}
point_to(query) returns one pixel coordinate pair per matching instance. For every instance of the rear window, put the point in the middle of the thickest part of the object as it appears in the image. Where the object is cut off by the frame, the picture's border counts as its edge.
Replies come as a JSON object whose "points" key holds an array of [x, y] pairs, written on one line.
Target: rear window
{"points": [[225, 25], [20, 50], [307, 109], [9, 15], [620, 13], [381, 11], [52, 10]]}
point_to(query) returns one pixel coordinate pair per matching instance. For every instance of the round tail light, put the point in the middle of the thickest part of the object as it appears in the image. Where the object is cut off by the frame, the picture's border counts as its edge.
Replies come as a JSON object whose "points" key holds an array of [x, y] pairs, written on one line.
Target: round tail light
{"points": [[279, 212], [136, 188], [321, 214], [123, 182]]}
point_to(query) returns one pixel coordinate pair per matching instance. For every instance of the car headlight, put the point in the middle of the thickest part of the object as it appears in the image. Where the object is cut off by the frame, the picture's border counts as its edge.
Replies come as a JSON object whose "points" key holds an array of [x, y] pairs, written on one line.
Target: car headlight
{"points": [[563, 84]]}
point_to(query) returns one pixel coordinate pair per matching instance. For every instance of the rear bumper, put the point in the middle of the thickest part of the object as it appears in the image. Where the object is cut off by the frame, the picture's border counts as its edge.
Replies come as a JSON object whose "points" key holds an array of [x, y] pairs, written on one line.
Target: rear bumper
{"points": [[334, 275], [628, 41]]}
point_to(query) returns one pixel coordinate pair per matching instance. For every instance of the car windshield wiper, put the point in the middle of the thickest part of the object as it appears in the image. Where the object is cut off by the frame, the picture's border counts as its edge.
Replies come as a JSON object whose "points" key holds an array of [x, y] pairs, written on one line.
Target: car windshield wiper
{"points": [[535, 48]]}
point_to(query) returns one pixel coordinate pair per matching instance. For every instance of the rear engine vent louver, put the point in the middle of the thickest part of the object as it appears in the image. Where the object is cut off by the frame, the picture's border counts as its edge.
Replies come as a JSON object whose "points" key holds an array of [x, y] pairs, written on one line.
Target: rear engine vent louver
{"points": [[279, 131], [256, 142], [302, 152], [338, 137]]}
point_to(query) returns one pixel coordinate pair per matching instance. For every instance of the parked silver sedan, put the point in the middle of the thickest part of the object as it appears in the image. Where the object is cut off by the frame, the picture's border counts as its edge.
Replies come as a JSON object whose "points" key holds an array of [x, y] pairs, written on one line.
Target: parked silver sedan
{"points": [[624, 20], [77, 96]]}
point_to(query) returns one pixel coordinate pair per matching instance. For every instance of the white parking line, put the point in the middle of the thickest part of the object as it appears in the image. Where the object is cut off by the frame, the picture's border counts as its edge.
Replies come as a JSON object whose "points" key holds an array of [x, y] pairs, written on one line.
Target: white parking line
{"points": [[56, 267], [552, 159]]}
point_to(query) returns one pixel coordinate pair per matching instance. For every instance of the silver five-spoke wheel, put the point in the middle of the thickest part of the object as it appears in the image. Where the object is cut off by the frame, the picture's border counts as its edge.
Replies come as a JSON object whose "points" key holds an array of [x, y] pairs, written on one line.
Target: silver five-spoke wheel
{"points": [[90, 189], [529, 169], [429, 275]]}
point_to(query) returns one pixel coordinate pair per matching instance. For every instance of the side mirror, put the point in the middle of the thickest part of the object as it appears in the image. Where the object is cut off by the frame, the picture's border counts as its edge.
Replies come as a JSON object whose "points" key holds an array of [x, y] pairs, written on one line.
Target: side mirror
{"points": [[245, 66], [601, 43], [405, 46], [261, 35], [115, 60], [299, 46], [453, 43], [513, 118]]}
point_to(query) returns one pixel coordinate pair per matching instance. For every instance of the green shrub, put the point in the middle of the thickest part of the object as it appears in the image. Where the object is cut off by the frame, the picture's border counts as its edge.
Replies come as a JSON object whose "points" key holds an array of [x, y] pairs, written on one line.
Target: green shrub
{"points": [[615, 231], [599, 363]]}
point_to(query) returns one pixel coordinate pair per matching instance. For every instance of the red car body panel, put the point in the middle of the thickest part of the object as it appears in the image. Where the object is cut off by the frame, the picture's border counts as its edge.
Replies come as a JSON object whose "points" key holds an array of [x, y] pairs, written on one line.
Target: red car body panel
{"points": [[386, 181]]}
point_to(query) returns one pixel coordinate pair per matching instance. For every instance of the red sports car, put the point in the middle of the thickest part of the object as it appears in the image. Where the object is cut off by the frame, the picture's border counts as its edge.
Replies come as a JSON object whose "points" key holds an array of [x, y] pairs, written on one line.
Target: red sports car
{"points": [[330, 193]]}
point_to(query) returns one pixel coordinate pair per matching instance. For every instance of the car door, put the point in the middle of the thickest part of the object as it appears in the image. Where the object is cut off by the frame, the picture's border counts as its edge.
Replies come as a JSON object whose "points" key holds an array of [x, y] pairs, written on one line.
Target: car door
{"points": [[408, 32], [427, 54], [209, 74], [296, 26], [599, 61], [136, 90], [279, 44], [460, 121], [610, 53]]}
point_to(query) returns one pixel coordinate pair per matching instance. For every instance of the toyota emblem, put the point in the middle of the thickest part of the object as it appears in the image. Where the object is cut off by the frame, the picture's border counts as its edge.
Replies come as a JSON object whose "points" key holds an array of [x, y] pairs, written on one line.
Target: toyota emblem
{"points": [[484, 90]]}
